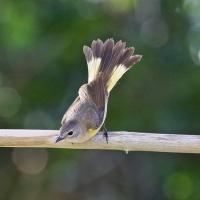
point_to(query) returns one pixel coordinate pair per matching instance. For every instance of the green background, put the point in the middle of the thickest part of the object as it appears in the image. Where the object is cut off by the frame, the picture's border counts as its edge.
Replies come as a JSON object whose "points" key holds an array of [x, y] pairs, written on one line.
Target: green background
{"points": [[41, 68]]}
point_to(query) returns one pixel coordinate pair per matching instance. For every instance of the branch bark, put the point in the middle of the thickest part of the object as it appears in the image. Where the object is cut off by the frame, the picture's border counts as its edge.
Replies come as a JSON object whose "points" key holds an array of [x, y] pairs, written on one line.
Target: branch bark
{"points": [[126, 141]]}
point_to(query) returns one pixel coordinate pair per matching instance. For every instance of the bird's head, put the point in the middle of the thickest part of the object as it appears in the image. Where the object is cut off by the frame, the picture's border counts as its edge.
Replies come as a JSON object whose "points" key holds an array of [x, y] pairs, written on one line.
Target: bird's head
{"points": [[72, 131]]}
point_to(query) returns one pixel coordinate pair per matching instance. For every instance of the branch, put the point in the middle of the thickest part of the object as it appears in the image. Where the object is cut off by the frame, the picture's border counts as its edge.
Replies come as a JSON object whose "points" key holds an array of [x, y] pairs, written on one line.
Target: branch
{"points": [[126, 141]]}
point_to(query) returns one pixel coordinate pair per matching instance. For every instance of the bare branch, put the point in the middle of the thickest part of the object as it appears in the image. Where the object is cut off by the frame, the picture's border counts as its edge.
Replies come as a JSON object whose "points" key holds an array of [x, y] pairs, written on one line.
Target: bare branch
{"points": [[126, 141]]}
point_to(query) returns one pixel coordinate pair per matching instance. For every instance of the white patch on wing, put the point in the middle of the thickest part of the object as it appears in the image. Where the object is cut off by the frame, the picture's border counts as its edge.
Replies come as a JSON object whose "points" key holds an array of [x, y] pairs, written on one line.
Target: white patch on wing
{"points": [[93, 68], [116, 74]]}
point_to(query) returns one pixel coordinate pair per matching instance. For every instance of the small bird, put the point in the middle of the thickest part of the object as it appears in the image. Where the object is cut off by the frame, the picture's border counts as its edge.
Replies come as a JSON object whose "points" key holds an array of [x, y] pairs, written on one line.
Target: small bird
{"points": [[107, 62]]}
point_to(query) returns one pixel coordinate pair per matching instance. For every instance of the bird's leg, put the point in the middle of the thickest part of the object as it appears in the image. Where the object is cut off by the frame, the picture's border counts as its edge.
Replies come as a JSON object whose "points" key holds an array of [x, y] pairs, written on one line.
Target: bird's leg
{"points": [[105, 133]]}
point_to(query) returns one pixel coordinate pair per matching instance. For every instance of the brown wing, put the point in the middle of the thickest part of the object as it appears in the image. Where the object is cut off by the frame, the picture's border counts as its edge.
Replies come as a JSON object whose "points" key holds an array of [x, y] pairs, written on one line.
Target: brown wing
{"points": [[96, 94]]}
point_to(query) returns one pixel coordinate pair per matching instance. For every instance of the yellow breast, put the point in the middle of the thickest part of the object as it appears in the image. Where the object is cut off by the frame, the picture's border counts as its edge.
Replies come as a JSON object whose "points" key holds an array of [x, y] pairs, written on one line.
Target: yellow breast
{"points": [[92, 132]]}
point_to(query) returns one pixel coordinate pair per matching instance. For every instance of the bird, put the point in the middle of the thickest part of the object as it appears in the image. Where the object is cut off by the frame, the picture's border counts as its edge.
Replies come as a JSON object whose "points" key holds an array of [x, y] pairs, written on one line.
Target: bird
{"points": [[107, 62]]}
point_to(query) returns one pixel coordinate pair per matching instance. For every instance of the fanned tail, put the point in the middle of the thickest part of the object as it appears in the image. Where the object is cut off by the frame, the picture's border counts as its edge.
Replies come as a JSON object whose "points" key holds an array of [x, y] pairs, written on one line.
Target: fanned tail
{"points": [[109, 60]]}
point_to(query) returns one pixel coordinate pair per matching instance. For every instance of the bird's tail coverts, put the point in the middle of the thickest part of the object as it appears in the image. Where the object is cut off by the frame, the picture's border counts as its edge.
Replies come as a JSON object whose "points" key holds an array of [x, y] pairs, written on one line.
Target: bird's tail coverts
{"points": [[110, 60]]}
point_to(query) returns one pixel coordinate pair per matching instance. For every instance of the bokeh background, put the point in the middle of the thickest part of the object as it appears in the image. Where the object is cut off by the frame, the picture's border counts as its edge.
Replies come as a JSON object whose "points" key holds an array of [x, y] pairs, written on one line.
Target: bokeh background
{"points": [[42, 67]]}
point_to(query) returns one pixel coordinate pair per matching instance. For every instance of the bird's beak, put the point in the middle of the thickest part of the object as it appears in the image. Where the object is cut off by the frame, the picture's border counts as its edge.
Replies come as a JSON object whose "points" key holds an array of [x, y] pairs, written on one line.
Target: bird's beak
{"points": [[59, 138]]}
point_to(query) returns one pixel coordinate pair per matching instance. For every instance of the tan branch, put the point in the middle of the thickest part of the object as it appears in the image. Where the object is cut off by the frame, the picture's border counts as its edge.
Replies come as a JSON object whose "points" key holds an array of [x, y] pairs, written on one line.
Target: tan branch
{"points": [[126, 141]]}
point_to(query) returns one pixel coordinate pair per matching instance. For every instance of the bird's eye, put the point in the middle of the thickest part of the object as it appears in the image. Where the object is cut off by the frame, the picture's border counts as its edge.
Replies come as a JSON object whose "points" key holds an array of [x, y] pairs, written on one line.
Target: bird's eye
{"points": [[70, 133]]}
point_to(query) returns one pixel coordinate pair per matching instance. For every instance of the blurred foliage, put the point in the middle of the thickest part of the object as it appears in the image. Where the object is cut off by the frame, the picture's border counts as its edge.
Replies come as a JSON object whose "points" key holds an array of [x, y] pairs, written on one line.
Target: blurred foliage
{"points": [[42, 67]]}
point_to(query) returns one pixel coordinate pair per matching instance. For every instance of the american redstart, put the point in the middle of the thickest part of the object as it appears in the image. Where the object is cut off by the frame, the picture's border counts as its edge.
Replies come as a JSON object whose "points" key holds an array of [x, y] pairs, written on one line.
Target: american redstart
{"points": [[107, 62]]}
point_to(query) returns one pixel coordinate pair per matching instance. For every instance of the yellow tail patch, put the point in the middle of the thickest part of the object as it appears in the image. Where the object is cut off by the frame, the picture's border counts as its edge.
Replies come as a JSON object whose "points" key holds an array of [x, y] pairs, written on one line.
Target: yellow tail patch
{"points": [[116, 74], [93, 68]]}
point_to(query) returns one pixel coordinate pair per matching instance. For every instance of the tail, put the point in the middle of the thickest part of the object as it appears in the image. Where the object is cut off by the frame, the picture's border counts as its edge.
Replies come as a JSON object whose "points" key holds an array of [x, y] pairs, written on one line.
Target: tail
{"points": [[109, 60]]}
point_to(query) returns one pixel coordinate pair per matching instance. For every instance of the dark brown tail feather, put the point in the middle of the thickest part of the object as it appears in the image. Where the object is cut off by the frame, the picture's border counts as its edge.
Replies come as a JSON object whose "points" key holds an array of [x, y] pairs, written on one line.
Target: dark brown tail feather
{"points": [[110, 60]]}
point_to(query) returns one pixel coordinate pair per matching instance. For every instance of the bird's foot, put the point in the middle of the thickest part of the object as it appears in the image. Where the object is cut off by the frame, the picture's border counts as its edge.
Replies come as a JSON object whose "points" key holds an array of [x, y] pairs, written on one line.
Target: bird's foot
{"points": [[105, 133]]}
